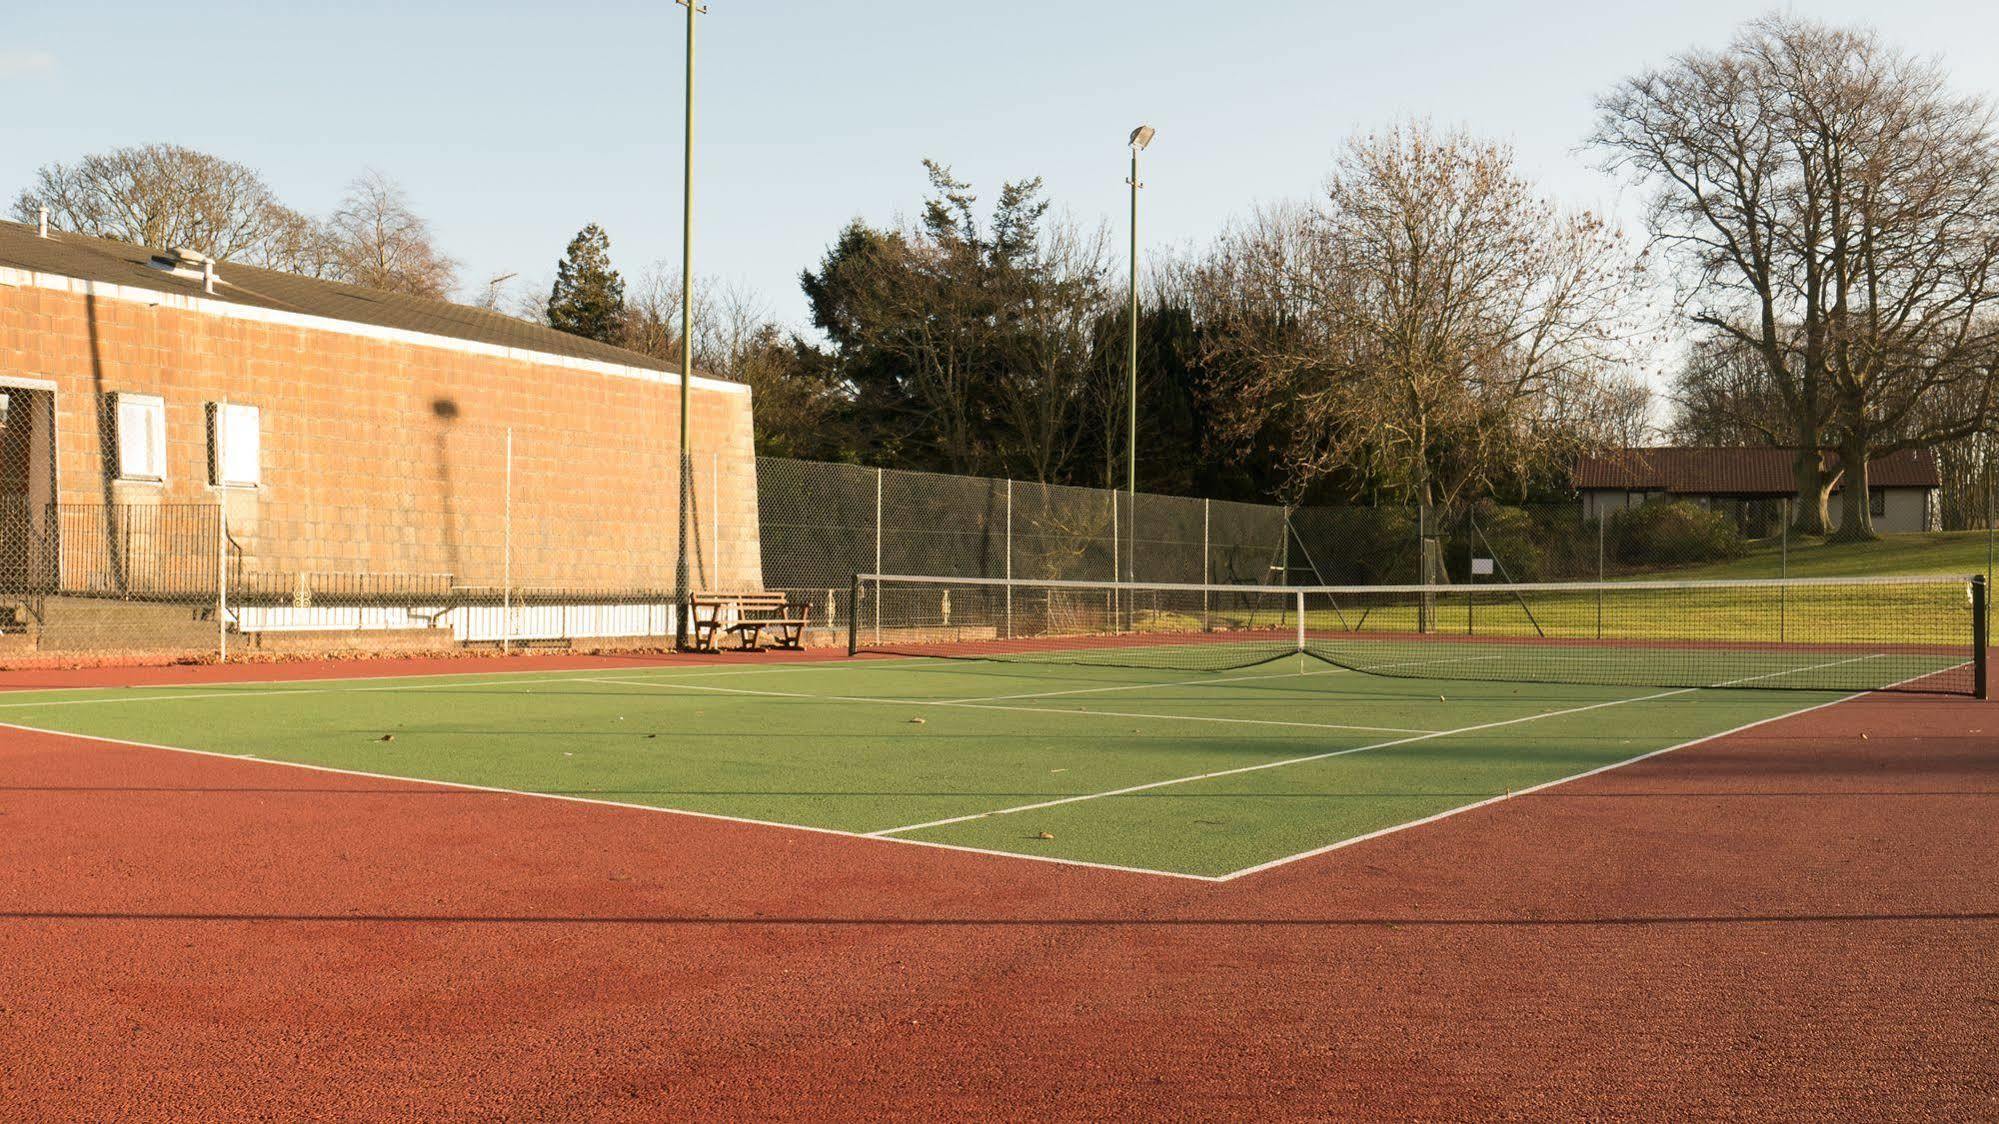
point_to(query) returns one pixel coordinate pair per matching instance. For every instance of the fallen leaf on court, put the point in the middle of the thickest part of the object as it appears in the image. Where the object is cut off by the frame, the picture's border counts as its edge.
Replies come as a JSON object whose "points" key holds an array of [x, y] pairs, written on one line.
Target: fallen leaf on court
{"points": [[916, 721], [1058, 770], [386, 738], [1044, 835]]}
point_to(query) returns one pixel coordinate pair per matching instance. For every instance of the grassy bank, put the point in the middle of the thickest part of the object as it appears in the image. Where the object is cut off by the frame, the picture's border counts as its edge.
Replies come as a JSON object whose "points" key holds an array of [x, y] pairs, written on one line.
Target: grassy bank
{"points": [[1941, 552]]}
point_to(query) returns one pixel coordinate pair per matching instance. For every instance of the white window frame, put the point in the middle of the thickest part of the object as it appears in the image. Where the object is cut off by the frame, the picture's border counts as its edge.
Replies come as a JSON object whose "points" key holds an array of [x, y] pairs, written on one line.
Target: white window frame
{"points": [[144, 458], [235, 445]]}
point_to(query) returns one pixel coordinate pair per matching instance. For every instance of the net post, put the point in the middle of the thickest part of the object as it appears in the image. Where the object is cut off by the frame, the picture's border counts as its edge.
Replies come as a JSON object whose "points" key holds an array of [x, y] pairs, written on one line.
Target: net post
{"points": [[854, 616], [1301, 621], [1980, 637]]}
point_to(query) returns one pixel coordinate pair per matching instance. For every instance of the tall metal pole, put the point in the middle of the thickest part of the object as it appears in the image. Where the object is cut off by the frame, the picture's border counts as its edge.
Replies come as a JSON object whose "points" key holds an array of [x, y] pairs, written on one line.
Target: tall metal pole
{"points": [[1140, 137], [1131, 381], [680, 588], [507, 551]]}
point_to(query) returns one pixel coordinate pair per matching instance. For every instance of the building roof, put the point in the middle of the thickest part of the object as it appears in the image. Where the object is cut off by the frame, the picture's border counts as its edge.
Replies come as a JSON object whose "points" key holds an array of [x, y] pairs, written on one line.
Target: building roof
{"points": [[1708, 471], [126, 264]]}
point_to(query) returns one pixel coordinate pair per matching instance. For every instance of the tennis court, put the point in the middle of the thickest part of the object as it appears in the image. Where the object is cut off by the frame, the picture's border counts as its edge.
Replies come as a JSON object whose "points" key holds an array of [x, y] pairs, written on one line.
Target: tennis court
{"points": [[1211, 753]]}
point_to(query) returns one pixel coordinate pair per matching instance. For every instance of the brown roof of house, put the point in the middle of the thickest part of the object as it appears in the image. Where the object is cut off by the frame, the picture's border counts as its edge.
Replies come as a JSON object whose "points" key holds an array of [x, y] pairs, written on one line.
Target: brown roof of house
{"points": [[1735, 471], [123, 263]]}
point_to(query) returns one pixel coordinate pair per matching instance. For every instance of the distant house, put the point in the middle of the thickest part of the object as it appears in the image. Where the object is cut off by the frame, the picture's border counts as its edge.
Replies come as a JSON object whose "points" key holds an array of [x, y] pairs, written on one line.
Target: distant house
{"points": [[1750, 484]]}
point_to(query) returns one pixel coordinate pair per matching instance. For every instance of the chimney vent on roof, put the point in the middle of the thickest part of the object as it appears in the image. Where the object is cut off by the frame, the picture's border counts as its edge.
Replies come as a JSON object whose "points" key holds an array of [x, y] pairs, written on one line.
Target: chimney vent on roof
{"points": [[43, 211], [191, 264]]}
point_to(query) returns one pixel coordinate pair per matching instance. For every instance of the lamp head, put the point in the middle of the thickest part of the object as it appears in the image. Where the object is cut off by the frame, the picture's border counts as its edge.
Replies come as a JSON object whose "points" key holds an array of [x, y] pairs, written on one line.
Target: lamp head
{"points": [[1140, 137]]}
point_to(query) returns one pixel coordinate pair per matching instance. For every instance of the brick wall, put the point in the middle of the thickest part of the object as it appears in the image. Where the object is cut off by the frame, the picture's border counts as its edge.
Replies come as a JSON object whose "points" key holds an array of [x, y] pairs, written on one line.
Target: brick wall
{"points": [[386, 456]]}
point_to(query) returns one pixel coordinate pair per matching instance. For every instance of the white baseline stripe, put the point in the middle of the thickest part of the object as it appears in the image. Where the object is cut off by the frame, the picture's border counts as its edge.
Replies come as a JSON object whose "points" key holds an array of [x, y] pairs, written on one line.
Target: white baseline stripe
{"points": [[1356, 749], [574, 799], [678, 686], [430, 682], [1449, 812]]}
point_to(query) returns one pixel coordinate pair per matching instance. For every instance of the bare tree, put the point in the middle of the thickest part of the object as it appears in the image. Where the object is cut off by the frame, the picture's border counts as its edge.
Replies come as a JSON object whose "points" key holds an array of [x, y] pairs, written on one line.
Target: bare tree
{"points": [[1723, 394], [1055, 297], [737, 337], [298, 244], [164, 196], [1832, 208], [1431, 327], [382, 243]]}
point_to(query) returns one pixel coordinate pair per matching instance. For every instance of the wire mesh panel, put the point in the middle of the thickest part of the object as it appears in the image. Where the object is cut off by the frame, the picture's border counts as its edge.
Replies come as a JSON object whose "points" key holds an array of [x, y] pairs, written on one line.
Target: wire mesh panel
{"points": [[1062, 533], [1807, 634], [1121, 624], [1168, 537], [1355, 545]]}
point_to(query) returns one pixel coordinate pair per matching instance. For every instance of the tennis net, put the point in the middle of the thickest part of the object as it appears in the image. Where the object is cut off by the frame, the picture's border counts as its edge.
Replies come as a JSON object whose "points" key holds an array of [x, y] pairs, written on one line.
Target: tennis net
{"points": [[1924, 634]]}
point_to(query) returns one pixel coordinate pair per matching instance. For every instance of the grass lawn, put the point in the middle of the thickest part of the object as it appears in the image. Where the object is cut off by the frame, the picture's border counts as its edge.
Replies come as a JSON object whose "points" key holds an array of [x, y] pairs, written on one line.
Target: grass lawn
{"points": [[1940, 552]]}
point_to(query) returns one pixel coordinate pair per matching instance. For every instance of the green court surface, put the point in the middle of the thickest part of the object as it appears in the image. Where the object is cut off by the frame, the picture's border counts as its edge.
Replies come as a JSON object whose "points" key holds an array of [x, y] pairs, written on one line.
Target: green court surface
{"points": [[1209, 774]]}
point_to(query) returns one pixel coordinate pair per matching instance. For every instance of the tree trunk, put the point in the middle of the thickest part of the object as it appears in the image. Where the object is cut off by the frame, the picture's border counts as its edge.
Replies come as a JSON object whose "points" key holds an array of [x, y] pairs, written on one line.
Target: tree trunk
{"points": [[1808, 515], [1856, 512]]}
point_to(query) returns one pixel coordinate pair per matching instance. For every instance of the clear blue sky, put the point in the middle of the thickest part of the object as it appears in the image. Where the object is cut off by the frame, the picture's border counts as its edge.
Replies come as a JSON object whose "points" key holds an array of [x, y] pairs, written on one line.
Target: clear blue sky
{"points": [[513, 124]]}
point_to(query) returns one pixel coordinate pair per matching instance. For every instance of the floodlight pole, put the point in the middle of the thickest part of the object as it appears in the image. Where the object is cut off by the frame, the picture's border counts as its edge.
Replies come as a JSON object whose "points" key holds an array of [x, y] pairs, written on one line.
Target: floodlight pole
{"points": [[1140, 137], [680, 574]]}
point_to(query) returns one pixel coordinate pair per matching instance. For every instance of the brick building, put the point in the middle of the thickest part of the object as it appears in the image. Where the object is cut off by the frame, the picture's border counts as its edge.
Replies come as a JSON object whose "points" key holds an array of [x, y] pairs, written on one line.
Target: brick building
{"points": [[372, 450]]}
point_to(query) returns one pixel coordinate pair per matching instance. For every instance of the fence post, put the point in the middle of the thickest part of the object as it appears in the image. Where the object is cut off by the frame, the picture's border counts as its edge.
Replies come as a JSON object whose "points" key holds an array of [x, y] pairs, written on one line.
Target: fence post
{"points": [[878, 557], [1284, 551], [507, 549], [1784, 573], [1117, 615], [1423, 567], [1207, 565], [221, 570], [854, 615], [1601, 575], [1009, 558]]}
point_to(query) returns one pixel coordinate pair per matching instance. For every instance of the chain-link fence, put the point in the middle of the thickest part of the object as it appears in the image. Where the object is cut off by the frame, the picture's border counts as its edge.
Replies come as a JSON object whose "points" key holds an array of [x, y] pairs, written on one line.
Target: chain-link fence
{"points": [[454, 537]]}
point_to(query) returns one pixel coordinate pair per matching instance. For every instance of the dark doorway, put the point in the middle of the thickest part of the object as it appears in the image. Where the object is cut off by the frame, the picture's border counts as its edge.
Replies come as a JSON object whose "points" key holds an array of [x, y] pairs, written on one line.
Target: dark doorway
{"points": [[27, 489]]}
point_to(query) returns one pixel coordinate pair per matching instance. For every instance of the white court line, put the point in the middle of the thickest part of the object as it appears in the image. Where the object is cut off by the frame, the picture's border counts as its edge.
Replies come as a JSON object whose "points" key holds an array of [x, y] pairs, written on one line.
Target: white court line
{"points": [[574, 799], [1356, 749], [873, 837], [690, 670], [1490, 800], [677, 686], [576, 675]]}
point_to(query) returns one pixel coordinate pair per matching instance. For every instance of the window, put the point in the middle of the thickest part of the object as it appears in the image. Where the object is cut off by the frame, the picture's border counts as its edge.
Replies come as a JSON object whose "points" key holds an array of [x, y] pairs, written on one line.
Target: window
{"points": [[142, 437], [234, 445], [1877, 502]]}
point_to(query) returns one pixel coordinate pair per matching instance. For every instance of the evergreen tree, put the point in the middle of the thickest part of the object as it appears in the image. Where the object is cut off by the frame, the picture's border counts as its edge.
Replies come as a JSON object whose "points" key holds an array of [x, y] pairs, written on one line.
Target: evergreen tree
{"points": [[589, 297]]}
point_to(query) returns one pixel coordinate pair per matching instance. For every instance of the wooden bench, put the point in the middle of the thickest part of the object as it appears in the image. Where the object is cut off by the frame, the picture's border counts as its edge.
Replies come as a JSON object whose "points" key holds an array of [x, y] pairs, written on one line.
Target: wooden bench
{"points": [[748, 616]]}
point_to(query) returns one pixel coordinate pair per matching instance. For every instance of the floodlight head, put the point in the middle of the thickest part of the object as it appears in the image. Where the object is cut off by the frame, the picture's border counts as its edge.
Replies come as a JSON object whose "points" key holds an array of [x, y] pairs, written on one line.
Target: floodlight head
{"points": [[1140, 137]]}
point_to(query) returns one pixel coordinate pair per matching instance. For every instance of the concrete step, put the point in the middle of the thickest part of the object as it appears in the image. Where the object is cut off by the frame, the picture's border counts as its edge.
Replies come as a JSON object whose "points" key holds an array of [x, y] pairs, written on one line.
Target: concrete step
{"points": [[110, 624]]}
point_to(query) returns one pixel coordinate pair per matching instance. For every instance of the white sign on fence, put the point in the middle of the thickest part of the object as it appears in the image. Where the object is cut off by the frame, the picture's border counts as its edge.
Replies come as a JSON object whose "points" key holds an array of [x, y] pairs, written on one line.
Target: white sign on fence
{"points": [[1481, 567]]}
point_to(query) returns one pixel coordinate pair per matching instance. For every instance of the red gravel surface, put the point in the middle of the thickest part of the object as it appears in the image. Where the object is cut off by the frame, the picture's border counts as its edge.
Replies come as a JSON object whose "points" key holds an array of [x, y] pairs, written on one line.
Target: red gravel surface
{"points": [[1795, 922]]}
